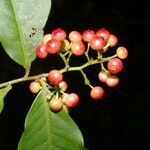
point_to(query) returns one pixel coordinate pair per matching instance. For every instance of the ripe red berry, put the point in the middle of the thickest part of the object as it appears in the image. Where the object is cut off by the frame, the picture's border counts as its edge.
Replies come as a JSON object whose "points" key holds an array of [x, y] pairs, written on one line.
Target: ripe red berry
{"points": [[115, 65], [97, 43], [58, 34], [97, 92], [122, 52], [63, 86], [55, 77], [41, 52], [35, 87], [112, 41], [112, 81], [88, 35], [103, 33], [78, 48], [75, 36], [46, 38], [72, 100], [56, 104], [53, 46], [102, 76]]}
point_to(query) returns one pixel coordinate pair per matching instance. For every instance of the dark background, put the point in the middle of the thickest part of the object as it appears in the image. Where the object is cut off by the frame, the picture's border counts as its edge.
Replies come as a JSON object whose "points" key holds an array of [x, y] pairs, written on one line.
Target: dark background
{"points": [[121, 120]]}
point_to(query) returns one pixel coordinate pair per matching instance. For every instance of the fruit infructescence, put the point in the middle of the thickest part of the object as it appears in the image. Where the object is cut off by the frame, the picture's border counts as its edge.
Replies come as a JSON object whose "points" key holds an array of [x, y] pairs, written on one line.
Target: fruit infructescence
{"points": [[58, 42]]}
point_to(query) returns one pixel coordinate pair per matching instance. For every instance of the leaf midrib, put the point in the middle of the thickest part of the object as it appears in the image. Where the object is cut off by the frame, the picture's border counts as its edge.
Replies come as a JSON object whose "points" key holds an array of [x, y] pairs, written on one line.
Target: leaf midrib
{"points": [[47, 118], [20, 33]]}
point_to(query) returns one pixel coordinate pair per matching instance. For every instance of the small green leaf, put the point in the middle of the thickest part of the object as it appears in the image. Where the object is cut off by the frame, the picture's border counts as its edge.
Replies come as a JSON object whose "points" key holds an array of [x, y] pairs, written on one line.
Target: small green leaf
{"points": [[46, 130], [21, 27], [3, 93]]}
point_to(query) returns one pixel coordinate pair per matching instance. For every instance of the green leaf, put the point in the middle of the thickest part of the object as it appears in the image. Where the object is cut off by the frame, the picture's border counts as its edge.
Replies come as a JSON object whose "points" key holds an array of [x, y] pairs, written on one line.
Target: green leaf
{"points": [[3, 93], [47, 130], [19, 19]]}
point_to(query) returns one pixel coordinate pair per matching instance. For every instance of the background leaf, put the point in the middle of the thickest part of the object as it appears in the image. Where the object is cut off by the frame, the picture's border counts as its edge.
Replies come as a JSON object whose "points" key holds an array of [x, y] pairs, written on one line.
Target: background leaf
{"points": [[3, 93], [21, 27], [46, 130]]}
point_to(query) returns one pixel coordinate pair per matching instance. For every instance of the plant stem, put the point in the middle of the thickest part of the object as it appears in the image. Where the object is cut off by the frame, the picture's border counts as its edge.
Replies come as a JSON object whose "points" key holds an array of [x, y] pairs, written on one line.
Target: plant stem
{"points": [[23, 79], [65, 69]]}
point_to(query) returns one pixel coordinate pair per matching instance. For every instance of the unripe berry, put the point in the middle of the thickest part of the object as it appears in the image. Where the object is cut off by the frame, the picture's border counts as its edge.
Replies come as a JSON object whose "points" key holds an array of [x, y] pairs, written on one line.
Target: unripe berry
{"points": [[72, 100], [112, 81], [63, 86], [55, 77], [122, 52], [88, 35], [97, 92], [75, 36], [112, 41], [53, 46], [41, 52], [103, 33], [66, 108], [78, 48], [102, 76], [35, 87], [46, 38], [97, 43], [115, 65], [56, 104], [58, 34], [65, 45]]}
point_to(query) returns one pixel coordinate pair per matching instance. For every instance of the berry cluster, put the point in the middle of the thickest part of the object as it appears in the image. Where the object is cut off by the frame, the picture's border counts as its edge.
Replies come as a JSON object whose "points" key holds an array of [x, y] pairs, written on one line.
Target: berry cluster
{"points": [[76, 43]]}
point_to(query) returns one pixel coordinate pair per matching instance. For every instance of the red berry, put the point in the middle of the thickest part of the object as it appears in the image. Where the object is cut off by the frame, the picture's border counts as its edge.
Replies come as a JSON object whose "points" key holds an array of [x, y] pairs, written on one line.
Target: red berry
{"points": [[35, 87], [115, 65], [78, 48], [58, 34], [53, 46], [72, 100], [55, 77], [122, 52], [46, 38], [75, 36], [97, 92], [88, 35], [112, 41], [102, 76], [103, 33], [41, 52], [63, 86], [112, 81], [56, 104], [97, 43]]}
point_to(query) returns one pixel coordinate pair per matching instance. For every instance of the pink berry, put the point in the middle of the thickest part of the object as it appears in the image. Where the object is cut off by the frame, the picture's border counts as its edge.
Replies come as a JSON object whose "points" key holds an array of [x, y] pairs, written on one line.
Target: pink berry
{"points": [[63, 86], [72, 100], [58, 34], [102, 76], [78, 48], [88, 35], [35, 87], [112, 81], [97, 43], [46, 38], [115, 65], [112, 40], [103, 33], [97, 92], [55, 77], [122, 52], [41, 52], [53, 46], [75, 36]]}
